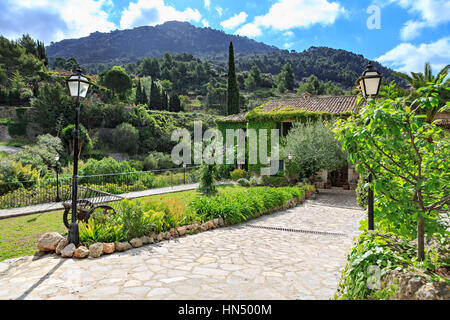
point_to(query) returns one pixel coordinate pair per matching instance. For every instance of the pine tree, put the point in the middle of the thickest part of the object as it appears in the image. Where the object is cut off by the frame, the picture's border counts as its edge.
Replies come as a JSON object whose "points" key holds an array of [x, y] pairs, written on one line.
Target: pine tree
{"points": [[288, 76], [233, 89], [138, 99]]}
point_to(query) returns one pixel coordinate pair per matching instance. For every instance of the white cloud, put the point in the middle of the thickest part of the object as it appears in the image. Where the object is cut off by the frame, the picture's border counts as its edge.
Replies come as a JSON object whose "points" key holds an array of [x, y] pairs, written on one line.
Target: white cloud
{"points": [[249, 30], [288, 14], [234, 21], [207, 3], [205, 23], [219, 11], [51, 20], [431, 14], [288, 34], [155, 12], [287, 45], [409, 58]]}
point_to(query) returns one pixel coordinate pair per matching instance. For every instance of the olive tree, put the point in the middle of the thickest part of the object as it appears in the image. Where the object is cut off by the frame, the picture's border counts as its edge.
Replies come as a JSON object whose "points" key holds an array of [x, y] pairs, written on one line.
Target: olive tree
{"points": [[313, 148]]}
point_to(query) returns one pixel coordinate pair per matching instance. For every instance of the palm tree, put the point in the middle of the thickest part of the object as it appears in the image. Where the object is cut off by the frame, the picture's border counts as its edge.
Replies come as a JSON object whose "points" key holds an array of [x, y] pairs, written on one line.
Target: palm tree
{"points": [[419, 80]]}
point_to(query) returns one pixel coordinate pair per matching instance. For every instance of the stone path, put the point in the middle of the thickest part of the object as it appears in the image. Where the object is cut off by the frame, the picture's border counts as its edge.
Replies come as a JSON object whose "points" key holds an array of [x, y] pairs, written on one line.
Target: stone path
{"points": [[9, 149], [238, 262]]}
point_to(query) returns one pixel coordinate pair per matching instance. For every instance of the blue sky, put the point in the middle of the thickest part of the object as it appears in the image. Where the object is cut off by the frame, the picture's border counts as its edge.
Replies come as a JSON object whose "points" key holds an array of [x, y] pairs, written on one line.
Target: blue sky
{"points": [[401, 34]]}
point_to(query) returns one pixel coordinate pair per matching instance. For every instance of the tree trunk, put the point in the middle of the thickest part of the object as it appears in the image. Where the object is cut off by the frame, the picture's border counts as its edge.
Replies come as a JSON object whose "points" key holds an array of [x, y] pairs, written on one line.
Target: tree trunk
{"points": [[420, 240]]}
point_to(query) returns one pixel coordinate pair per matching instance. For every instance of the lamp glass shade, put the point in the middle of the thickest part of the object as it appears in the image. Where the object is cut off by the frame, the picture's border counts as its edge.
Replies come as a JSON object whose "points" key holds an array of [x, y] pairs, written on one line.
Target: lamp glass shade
{"points": [[371, 83], [73, 86], [290, 156], [56, 157]]}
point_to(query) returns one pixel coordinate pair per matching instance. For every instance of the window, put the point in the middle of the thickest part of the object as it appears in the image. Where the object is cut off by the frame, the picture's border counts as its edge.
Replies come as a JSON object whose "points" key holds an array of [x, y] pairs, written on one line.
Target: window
{"points": [[285, 127]]}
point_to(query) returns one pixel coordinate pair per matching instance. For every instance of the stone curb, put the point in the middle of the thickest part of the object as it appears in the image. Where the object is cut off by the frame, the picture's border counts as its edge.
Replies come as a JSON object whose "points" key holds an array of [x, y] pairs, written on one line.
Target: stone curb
{"points": [[181, 231]]}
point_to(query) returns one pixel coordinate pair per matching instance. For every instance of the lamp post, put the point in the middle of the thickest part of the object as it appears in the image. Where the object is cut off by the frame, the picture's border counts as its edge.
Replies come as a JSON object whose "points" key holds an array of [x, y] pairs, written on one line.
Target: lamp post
{"points": [[57, 180], [184, 172], [290, 160], [78, 87], [370, 82]]}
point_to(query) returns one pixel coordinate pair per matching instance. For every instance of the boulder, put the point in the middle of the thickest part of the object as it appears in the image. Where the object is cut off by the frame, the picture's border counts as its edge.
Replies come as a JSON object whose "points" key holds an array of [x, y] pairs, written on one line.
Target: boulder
{"points": [[122, 246], [173, 232], [167, 235], [61, 245], [68, 251], [160, 236], [49, 241], [96, 250], [181, 231], [81, 252], [108, 247], [216, 222], [136, 242]]}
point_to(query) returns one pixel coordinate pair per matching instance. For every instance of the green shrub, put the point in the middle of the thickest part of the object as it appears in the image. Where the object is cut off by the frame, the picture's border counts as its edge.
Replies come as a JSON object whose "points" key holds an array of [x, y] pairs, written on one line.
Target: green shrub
{"points": [[14, 175], [274, 181], [125, 138], [386, 252], [17, 128], [256, 181], [238, 206], [207, 180], [238, 174], [243, 182]]}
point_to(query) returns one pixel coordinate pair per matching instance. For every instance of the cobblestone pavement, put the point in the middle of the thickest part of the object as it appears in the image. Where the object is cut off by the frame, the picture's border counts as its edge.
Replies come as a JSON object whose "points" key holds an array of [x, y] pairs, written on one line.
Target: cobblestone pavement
{"points": [[273, 257]]}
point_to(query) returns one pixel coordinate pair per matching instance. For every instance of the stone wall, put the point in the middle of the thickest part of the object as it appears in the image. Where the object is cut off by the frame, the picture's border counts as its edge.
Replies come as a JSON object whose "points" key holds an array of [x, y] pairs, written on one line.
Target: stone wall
{"points": [[4, 134]]}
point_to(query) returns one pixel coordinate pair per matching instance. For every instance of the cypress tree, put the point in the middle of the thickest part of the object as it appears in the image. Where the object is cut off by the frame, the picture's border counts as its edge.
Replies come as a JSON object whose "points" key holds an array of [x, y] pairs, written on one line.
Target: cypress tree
{"points": [[175, 103], [233, 89], [144, 99], [138, 99], [155, 97]]}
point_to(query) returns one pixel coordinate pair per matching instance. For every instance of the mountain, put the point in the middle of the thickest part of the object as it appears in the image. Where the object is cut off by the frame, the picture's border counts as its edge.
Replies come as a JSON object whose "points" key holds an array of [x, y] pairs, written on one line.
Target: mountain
{"points": [[121, 47], [335, 65], [124, 46]]}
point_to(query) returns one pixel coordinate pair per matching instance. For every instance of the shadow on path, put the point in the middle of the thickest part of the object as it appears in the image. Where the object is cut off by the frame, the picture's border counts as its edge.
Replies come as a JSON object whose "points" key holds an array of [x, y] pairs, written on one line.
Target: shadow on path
{"points": [[40, 281]]}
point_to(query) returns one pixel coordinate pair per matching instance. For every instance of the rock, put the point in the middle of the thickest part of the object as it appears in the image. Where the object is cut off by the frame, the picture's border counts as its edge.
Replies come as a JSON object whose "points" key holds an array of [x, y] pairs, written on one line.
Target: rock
{"points": [[221, 222], [427, 292], [202, 227], [68, 251], [122, 246], [181, 231], [49, 241], [211, 224], [109, 247], [145, 240], [61, 245], [167, 235], [81, 252], [96, 250], [160, 236], [136, 242], [173, 232], [216, 222]]}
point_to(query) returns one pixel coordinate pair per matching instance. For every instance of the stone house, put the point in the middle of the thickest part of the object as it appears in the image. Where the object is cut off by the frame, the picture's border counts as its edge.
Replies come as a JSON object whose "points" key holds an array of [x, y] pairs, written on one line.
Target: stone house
{"points": [[281, 114]]}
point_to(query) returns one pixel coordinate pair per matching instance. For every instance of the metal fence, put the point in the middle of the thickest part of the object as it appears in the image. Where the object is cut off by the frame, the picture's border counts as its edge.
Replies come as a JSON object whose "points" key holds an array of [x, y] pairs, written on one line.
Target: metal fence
{"points": [[25, 193]]}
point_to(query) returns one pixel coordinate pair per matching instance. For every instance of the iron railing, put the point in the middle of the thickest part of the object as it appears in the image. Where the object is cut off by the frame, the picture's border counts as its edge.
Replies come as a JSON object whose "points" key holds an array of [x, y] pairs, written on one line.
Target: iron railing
{"points": [[25, 193]]}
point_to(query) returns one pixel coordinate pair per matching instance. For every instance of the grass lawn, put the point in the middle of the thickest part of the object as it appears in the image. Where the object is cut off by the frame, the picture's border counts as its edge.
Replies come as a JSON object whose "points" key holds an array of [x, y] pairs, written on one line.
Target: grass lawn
{"points": [[18, 236]]}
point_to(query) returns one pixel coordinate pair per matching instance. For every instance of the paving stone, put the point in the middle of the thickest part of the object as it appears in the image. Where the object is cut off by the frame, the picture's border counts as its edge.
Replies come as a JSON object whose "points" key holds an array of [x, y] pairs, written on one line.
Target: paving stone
{"points": [[234, 262]]}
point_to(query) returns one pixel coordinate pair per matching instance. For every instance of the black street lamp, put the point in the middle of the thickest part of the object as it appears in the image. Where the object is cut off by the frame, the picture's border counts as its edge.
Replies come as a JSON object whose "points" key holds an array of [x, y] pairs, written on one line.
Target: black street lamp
{"points": [[57, 180], [290, 166], [78, 87], [184, 171], [370, 82]]}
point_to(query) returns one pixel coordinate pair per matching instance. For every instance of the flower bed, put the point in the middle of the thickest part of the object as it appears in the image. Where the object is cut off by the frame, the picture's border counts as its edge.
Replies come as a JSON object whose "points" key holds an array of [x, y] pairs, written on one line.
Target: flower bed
{"points": [[136, 224]]}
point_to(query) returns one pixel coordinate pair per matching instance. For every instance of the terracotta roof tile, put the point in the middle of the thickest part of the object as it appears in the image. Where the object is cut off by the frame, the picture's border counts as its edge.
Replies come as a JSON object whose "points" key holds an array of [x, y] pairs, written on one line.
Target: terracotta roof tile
{"points": [[331, 104]]}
